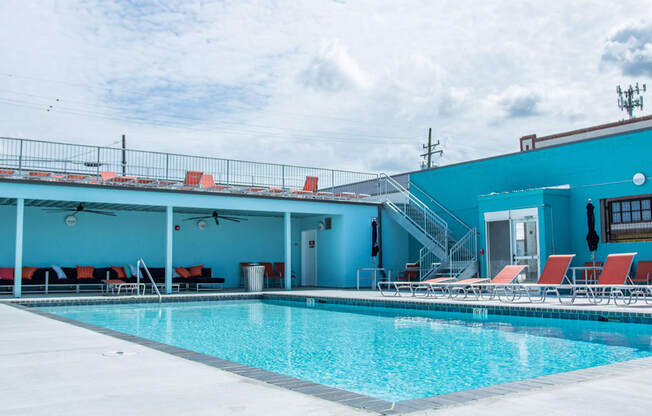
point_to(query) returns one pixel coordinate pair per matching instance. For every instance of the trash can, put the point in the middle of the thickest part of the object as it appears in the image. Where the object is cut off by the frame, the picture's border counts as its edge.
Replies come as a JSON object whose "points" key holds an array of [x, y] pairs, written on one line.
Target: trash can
{"points": [[253, 276]]}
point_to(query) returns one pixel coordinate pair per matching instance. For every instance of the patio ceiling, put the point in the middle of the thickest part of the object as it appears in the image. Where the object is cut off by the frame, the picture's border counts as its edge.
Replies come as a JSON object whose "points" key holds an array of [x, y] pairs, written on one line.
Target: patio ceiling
{"points": [[143, 208]]}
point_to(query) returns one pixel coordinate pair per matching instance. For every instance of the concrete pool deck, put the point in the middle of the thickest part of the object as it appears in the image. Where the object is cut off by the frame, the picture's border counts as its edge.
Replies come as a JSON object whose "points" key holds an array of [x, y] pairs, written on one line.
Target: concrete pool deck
{"points": [[66, 373]]}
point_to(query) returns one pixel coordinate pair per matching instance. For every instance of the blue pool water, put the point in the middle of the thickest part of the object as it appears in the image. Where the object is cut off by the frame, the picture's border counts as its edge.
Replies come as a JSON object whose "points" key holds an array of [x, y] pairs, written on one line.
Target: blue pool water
{"points": [[392, 354]]}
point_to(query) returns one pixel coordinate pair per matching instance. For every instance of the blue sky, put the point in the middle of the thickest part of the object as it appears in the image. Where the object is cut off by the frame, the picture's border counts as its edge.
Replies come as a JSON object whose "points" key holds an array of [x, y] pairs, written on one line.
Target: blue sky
{"points": [[347, 84]]}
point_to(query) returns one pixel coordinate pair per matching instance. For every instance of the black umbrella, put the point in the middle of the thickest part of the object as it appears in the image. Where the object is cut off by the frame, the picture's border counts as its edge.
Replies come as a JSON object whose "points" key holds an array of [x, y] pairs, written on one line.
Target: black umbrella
{"points": [[375, 248], [592, 237]]}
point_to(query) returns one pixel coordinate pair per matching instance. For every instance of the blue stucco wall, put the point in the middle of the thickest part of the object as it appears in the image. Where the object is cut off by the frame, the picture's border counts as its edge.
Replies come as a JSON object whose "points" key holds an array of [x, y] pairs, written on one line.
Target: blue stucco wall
{"points": [[101, 241], [596, 169]]}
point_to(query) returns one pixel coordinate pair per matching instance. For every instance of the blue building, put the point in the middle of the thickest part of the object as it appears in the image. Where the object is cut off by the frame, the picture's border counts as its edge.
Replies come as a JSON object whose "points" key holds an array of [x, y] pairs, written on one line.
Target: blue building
{"points": [[464, 219]]}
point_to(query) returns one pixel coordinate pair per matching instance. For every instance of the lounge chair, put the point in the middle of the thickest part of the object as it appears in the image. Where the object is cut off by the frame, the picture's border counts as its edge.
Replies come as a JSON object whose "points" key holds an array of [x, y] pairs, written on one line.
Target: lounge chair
{"points": [[192, 180], [551, 280], [309, 187], [612, 282], [500, 283], [465, 286], [207, 182], [643, 272], [428, 285]]}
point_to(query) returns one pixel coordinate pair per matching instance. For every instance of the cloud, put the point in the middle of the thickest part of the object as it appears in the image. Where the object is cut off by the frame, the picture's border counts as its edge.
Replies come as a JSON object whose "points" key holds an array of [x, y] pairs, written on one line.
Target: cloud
{"points": [[334, 69], [350, 85], [630, 50]]}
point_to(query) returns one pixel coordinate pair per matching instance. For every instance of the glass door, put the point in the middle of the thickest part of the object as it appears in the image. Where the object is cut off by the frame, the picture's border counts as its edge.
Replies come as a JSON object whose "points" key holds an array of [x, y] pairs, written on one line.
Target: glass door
{"points": [[525, 247], [513, 238]]}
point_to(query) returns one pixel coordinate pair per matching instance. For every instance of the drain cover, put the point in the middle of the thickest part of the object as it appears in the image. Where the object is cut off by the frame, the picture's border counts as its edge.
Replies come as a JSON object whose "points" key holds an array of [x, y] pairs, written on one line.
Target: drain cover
{"points": [[117, 353]]}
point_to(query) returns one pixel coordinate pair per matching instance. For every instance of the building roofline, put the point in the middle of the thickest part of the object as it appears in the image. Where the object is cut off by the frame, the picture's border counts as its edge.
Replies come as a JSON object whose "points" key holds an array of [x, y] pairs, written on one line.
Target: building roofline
{"points": [[602, 126]]}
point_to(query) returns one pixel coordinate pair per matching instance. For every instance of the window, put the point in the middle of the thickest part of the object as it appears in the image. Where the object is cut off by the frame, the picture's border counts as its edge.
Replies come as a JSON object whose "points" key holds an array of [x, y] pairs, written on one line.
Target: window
{"points": [[627, 219]]}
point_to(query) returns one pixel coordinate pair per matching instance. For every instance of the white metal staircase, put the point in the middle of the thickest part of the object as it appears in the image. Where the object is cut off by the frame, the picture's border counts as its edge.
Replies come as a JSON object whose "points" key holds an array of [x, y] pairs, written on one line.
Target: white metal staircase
{"points": [[441, 254]]}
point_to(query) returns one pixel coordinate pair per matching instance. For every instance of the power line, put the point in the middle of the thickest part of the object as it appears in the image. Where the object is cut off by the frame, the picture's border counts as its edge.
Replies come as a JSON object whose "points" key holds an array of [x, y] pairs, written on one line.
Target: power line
{"points": [[186, 126], [257, 128]]}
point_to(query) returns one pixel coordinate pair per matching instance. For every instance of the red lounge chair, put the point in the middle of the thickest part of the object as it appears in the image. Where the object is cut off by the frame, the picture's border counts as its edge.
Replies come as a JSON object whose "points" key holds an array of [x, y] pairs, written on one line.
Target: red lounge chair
{"points": [[612, 281], [107, 175], [256, 189], [207, 182], [39, 175], [643, 272], [192, 180], [309, 187], [5, 172], [345, 195], [275, 190], [551, 280], [75, 178]]}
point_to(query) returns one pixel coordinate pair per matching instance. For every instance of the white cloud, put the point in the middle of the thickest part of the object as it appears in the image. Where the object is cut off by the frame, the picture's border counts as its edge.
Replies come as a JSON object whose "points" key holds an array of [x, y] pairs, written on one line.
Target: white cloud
{"points": [[343, 84]]}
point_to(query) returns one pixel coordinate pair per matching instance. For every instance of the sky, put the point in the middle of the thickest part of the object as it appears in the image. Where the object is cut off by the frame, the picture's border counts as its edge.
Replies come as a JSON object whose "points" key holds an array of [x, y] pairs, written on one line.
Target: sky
{"points": [[349, 84]]}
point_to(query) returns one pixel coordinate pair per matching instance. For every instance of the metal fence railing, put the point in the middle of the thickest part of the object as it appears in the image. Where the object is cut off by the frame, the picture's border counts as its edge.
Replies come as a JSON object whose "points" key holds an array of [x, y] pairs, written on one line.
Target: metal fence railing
{"points": [[36, 159]]}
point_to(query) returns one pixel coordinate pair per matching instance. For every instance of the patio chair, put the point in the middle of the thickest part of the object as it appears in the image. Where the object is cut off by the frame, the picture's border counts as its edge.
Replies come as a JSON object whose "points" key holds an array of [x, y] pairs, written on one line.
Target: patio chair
{"points": [[550, 281], [207, 182], [270, 275], [414, 287], [643, 272], [192, 180], [612, 282], [6, 172], [309, 187], [280, 271]]}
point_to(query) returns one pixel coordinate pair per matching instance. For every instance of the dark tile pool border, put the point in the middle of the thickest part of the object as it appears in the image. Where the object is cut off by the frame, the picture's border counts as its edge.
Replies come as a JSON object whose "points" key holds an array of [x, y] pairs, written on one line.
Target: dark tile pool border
{"points": [[340, 396]]}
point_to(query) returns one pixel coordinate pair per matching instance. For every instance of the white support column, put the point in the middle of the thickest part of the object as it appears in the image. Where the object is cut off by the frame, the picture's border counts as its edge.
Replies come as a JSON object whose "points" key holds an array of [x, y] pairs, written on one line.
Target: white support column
{"points": [[168, 249], [18, 261], [287, 223]]}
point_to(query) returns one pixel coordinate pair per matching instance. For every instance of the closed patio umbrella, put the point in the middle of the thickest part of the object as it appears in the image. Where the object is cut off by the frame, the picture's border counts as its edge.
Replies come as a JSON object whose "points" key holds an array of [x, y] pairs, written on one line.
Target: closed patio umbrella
{"points": [[592, 237], [375, 248]]}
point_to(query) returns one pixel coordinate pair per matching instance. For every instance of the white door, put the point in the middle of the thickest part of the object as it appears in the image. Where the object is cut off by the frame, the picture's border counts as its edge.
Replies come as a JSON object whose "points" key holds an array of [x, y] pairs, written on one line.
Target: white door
{"points": [[309, 258]]}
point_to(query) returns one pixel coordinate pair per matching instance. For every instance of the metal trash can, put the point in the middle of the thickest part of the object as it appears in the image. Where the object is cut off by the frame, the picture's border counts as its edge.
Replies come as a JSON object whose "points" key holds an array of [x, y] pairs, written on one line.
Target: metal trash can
{"points": [[253, 276]]}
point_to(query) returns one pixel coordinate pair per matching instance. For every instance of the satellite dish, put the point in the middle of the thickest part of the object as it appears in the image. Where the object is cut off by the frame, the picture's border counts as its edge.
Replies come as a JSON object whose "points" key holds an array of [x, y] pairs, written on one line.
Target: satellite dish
{"points": [[70, 220], [201, 224]]}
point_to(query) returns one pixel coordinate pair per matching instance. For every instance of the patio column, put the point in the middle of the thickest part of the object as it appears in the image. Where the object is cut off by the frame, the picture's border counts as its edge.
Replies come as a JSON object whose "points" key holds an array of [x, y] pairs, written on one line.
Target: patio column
{"points": [[18, 261], [168, 249], [287, 223]]}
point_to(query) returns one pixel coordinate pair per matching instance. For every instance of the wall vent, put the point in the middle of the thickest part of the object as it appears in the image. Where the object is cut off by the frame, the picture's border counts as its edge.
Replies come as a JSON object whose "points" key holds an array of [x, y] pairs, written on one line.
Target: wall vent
{"points": [[328, 223]]}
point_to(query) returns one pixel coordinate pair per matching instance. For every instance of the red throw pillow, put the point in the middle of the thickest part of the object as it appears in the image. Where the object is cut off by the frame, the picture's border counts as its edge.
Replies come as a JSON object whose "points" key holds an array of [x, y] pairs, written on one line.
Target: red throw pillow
{"points": [[28, 272], [195, 271], [120, 271], [85, 272], [7, 273], [183, 272]]}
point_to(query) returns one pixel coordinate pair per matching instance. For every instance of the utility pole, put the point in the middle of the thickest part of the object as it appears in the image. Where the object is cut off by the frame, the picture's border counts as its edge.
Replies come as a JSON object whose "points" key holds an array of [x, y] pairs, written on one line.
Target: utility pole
{"points": [[630, 99], [124, 156], [431, 149]]}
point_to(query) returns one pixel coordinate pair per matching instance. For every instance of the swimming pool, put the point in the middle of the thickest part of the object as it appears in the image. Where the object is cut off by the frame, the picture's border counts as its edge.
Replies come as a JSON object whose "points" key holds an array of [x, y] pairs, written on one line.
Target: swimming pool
{"points": [[387, 353]]}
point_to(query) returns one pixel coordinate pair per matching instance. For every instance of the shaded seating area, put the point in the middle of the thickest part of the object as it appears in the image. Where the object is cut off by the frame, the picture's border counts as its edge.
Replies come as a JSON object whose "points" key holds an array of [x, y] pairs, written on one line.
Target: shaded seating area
{"points": [[274, 275], [112, 279]]}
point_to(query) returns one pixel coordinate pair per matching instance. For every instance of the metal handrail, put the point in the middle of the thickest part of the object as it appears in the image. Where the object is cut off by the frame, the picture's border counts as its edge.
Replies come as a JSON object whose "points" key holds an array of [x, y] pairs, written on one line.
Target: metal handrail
{"points": [[440, 205], [138, 264], [429, 217]]}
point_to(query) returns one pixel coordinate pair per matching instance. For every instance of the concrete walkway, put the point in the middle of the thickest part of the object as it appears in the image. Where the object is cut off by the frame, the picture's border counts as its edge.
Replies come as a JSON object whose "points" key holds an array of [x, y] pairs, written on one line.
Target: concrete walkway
{"points": [[49, 367], [52, 368]]}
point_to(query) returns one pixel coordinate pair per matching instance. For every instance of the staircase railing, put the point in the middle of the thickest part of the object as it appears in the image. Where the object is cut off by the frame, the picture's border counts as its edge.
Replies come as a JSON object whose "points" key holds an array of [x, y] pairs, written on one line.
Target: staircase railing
{"points": [[429, 264], [464, 252], [151, 279], [414, 210]]}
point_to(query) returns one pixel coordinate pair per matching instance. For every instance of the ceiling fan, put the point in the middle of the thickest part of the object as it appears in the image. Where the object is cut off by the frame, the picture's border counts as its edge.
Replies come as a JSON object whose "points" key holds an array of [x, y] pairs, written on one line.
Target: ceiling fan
{"points": [[217, 217], [78, 209]]}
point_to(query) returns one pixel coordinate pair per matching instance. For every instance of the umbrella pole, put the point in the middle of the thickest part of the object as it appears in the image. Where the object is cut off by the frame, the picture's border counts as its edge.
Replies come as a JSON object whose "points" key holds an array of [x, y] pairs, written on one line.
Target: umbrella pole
{"points": [[593, 273]]}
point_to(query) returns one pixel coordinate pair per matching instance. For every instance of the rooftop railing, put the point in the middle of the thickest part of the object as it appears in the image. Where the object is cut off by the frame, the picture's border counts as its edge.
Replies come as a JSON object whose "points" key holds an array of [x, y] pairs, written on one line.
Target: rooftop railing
{"points": [[43, 160]]}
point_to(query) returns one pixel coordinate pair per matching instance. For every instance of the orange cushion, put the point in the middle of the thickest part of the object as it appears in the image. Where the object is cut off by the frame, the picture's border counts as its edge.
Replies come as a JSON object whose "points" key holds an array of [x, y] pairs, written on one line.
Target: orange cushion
{"points": [[195, 271], [85, 272], [183, 272], [7, 273], [120, 271], [28, 272]]}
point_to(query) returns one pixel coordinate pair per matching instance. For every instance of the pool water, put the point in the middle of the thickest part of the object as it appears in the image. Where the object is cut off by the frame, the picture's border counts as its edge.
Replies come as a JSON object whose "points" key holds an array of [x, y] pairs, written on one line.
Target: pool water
{"points": [[391, 354]]}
